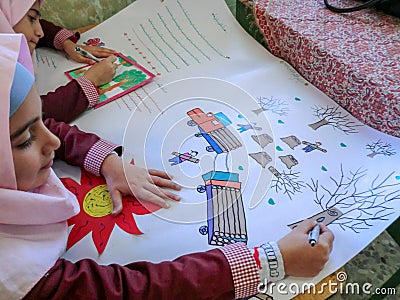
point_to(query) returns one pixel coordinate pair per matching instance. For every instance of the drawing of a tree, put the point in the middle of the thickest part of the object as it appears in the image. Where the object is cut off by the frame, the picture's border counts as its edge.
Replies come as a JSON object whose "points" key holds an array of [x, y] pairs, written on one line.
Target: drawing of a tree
{"points": [[360, 206], [288, 183], [277, 106], [126, 80], [334, 117], [379, 147]]}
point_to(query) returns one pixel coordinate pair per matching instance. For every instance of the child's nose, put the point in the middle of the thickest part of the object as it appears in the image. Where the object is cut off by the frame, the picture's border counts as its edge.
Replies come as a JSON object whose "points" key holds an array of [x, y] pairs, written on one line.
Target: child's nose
{"points": [[39, 31], [52, 142]]}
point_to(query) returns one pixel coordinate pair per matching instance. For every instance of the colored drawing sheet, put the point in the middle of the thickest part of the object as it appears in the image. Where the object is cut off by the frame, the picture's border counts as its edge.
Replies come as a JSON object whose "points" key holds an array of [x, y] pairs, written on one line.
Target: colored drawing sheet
{"points": [[128, 77], [255, 147]]}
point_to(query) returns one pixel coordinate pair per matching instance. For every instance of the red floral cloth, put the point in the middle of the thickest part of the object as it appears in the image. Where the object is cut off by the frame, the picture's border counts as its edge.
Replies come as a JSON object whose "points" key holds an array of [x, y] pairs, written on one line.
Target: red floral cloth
{"points": [[354, 58]]}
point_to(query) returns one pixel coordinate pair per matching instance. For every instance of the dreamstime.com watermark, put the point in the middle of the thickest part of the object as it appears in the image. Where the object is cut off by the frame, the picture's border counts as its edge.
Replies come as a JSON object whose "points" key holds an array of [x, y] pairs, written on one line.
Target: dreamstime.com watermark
{"points": [[340, 286]]}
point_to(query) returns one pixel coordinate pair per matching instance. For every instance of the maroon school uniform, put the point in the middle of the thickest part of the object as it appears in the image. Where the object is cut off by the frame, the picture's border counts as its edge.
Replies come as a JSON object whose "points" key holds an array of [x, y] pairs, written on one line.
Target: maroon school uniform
{"points": [[197, 276], [80, 148], [69, 101]]}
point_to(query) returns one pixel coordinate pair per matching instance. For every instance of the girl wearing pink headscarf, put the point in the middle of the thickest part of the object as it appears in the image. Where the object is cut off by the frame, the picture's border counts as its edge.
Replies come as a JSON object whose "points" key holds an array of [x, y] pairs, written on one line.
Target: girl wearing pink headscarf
{"points": [[69, 101], [87, 150], [35, 207]]}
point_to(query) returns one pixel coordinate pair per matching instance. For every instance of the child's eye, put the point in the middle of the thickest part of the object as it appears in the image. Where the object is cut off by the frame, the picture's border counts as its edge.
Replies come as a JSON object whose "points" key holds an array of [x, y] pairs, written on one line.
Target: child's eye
{"points": [[27, 143], [32, 19]]}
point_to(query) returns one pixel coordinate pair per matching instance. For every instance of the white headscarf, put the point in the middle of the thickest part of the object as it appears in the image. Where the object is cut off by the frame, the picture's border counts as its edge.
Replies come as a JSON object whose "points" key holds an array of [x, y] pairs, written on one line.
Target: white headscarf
{"points": [[33, 227]]}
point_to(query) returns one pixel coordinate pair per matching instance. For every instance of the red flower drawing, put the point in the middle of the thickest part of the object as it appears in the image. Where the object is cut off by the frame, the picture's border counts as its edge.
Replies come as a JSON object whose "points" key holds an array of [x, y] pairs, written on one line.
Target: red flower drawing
{"points": [[94, 42], [95, 211]]}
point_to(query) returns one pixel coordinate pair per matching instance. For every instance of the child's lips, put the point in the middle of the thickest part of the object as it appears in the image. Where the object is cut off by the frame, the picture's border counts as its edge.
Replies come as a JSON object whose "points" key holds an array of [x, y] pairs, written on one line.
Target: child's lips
{"points": [[34, 43], [48, 165]]}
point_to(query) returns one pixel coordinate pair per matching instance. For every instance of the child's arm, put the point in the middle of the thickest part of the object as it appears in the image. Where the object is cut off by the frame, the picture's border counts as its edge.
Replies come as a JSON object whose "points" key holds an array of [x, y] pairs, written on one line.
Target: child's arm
{"points": [[87, 150], [79, 148], [66, 40], [71, 100], [50, 31], [229, 272], [67, 102], [204, 275]]}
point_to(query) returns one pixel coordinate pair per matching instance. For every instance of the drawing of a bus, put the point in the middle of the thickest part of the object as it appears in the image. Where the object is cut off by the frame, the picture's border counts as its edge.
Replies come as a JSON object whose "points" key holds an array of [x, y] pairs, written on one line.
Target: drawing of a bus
{"points": [[213, 129]]}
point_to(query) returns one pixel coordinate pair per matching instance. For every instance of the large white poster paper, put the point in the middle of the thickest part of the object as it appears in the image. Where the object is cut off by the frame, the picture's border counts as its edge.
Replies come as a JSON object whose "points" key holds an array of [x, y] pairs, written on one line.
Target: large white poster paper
{"points": [[236, 127]]}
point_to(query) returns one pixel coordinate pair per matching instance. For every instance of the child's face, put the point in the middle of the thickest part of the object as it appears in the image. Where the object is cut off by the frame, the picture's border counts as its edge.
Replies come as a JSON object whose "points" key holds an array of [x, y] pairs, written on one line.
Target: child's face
{"points": [[30, 26], [32, 144]]}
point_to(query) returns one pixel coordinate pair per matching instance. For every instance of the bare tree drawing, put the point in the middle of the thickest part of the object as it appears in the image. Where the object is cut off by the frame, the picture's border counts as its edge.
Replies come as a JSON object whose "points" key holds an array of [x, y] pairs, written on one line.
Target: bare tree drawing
{"points": [[379, 147], [288, 183], [277, 106], [359, 207], [334, 117]]}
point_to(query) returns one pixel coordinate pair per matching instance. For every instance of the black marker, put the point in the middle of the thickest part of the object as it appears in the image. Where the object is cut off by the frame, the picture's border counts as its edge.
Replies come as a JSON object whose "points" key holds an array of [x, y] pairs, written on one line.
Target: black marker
{"points": [[313, 235], [86, 54]]}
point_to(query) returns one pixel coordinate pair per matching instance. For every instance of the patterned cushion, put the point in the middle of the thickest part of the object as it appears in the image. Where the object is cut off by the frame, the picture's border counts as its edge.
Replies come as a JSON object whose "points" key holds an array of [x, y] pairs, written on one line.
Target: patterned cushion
{"points": [[354, 58]]}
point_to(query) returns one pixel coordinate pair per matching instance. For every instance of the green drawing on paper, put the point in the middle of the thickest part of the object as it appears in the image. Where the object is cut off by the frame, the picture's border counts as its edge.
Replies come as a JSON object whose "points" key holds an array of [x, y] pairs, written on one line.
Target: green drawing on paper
{"points": [[129, 76]]}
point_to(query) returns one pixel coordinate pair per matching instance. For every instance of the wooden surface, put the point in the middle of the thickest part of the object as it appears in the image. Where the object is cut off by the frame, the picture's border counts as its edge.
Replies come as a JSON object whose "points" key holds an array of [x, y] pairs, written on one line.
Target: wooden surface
{"points": [[85, 28]]}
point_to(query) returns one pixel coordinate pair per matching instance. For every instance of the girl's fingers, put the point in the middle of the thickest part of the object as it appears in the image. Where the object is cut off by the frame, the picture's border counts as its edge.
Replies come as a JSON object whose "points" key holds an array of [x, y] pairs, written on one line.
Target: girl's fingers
{"points": [[85, 60], [165, 183], [155, 190], [101, 52], [163, 193], [305, 226], [112, 58], [117, 202], [159, 173], [172, 196], [327, 236], [149, 196]]}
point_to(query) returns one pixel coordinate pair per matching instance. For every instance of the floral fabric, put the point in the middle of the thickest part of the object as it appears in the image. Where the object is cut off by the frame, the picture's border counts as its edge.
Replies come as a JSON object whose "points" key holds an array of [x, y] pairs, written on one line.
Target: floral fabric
{"points": [[354, 58]]}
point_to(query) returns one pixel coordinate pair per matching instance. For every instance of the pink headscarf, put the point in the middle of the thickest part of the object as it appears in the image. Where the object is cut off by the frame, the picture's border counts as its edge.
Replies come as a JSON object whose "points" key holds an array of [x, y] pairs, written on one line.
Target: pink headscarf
{"points": [[33, 227], [11, 12]]}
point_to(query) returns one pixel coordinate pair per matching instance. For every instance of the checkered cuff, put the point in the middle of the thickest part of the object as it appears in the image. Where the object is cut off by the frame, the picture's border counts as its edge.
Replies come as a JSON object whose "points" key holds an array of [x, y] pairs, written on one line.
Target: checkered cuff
{"points": [[96, 155], [61, 36], [243, 268], [89, 89], [269, 262]]}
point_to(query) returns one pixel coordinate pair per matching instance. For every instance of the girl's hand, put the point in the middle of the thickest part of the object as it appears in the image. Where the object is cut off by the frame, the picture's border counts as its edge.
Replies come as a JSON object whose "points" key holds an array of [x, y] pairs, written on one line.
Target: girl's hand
{"points": [[145, 185], [102, 72], [299, 258], [100, 52]]}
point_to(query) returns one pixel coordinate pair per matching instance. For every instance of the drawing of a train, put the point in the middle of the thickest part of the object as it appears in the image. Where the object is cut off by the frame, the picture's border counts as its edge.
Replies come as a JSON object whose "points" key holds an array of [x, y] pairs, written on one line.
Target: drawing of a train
{"points": [[226, 221], [213, 129]]}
